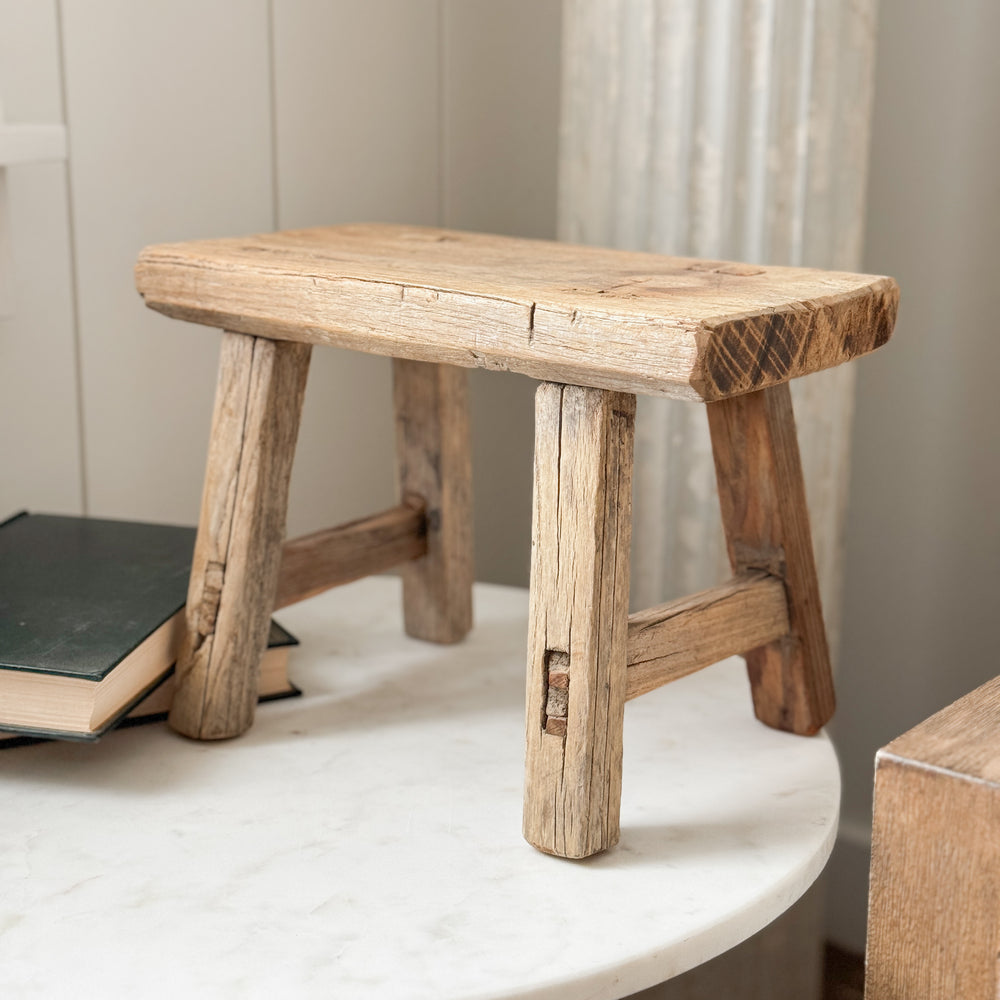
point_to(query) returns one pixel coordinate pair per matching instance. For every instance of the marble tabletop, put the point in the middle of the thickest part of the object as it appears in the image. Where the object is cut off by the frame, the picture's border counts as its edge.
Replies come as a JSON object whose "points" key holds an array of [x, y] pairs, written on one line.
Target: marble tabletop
{"points": [[363, 841]]}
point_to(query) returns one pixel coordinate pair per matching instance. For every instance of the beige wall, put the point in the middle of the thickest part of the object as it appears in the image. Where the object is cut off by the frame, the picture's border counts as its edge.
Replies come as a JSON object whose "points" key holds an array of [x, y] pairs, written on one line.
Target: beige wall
{"points": [[923, 530], [269, 115]]}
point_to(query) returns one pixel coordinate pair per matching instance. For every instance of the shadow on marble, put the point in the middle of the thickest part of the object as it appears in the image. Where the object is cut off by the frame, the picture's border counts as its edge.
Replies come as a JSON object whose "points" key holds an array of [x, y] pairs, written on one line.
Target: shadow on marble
{"points": [[683, 842], [443, 683]]}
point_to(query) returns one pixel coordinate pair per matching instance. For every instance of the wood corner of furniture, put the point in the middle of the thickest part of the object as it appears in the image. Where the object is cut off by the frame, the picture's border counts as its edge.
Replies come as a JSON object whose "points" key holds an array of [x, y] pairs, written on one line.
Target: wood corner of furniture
{"points": [[888, 292]]}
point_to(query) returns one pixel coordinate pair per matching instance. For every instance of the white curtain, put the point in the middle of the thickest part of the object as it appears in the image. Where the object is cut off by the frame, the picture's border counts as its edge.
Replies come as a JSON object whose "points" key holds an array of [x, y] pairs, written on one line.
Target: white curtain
{"points": [[733, 129]]}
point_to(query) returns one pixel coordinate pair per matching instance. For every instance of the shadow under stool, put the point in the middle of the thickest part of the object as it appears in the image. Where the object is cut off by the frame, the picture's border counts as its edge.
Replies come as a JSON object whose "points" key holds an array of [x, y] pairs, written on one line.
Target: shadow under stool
{"points": [[597, 327]]}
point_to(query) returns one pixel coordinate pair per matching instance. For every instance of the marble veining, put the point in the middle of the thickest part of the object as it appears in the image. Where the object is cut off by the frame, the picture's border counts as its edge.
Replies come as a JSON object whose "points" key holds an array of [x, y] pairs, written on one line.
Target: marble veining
{"points": [[364, 841]]}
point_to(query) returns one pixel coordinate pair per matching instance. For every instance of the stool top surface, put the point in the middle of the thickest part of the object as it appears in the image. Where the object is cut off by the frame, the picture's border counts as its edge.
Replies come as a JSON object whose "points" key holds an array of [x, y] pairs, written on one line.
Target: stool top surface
{"points": [[364, 840], [614, 319]]}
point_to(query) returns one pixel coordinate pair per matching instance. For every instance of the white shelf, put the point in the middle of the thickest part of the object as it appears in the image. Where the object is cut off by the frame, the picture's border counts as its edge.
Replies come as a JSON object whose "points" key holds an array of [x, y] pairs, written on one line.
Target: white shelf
{"points": [[31, 143], [19, 144]]}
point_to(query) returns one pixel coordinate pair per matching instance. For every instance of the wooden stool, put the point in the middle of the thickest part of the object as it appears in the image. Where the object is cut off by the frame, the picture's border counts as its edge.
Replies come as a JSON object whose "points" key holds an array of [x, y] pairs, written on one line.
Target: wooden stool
{"points": [[598, 326]]}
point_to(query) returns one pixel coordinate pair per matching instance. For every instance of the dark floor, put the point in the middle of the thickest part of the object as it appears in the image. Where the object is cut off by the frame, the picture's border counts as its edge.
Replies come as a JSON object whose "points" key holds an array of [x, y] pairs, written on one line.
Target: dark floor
{"points": [[843, 975]]}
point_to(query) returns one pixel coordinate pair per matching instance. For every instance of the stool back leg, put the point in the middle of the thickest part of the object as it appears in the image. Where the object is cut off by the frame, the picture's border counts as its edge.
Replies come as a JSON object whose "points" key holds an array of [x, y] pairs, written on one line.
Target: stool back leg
{"points": [[582, 525], [434, 468], [234, 572], [764, 512]]}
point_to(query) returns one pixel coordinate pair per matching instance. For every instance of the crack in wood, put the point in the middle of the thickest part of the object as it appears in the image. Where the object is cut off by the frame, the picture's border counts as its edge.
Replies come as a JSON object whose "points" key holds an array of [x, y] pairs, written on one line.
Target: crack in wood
{"points": [[211, 598]]}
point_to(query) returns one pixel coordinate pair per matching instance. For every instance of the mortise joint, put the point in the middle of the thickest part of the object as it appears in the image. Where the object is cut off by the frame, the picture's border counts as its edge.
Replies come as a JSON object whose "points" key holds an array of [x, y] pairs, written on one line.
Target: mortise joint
{"points": [[766, 559], [556, 692], [430, 520]]}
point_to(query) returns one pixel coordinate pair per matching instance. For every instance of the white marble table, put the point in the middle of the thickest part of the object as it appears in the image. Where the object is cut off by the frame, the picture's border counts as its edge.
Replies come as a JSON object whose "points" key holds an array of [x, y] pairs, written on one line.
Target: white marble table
{"points": [[364, 841]]}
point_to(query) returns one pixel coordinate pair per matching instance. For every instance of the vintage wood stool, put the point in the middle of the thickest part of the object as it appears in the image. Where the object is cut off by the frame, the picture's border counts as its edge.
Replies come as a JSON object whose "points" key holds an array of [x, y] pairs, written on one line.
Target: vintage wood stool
{"points": [[598, 326]]}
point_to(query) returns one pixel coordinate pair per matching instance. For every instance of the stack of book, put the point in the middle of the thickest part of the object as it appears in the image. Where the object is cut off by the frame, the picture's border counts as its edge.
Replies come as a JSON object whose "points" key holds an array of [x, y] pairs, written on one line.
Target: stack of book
{"points": [[91, 621]]}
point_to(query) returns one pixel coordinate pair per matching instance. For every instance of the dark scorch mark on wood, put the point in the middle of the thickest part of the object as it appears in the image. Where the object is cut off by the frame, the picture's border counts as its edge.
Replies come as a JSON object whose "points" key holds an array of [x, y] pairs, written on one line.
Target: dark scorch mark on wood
{"points": [[743, 355]]}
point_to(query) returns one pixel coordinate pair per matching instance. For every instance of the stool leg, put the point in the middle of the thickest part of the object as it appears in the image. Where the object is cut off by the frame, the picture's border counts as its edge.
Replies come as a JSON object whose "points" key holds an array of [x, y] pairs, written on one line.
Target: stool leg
{"points": [[234, 573], [434, 467], [767, 527], [582, 526]]}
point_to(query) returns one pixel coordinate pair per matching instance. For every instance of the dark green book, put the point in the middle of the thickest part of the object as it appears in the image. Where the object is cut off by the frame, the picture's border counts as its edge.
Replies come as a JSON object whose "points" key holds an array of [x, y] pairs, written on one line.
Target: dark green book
{"points": [[91, 620]]}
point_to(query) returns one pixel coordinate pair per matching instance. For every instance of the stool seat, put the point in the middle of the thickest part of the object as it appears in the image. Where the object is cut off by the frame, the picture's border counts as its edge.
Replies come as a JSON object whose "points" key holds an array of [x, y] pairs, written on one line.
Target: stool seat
{"points": [[609, 319]]}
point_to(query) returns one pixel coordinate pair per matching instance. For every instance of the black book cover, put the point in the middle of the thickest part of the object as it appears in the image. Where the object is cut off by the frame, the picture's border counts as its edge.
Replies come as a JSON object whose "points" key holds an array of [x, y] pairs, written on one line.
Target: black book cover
{"points": [[78, 595]]}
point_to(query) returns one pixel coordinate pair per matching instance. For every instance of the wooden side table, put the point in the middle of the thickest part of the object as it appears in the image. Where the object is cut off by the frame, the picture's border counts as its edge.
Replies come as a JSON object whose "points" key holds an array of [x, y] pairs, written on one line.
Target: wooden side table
{"points": [[598, 326], [935, 889]]}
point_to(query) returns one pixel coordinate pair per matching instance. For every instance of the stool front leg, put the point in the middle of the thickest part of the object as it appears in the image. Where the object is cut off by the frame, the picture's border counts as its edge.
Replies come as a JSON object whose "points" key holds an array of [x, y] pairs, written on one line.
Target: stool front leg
{"points": [[434, 465], [582, 526], [764, 512], [234, 572]]}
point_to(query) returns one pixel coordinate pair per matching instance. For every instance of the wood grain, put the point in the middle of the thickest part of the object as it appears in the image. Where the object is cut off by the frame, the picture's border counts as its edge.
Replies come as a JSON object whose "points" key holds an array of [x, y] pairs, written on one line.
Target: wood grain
{"points": [[328, 558], [238, 548], [434, 465], [764, 513], [676, 639], [578, 618], [935, 878], [618, 320]]}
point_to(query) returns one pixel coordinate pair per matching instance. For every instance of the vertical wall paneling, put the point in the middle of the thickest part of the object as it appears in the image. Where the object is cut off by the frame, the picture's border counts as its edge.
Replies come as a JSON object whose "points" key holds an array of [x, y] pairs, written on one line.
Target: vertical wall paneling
{"points": [[500, 91], [356, 104], [195, 119], [168, 108], [357, 130], [39, 427], [501, 115]]}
